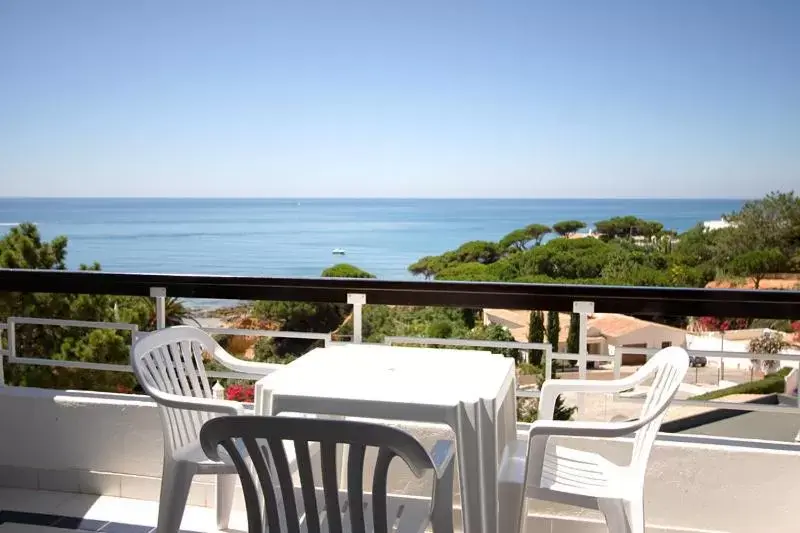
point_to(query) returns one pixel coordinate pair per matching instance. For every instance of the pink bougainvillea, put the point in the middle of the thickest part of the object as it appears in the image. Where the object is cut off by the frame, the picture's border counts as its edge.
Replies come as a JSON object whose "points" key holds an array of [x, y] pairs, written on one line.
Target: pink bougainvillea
{"points": [[712, 323], [240, 393]]}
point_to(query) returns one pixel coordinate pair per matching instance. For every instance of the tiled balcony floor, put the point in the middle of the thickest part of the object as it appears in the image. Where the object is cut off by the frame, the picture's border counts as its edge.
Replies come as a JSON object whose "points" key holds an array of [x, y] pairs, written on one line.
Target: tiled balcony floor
{"points": [[29, 511]]}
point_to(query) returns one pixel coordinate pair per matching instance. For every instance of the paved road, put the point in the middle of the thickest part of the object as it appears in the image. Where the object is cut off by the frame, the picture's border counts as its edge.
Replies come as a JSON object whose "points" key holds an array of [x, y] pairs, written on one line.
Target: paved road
{"points": [[762, 426], [708, 375]]}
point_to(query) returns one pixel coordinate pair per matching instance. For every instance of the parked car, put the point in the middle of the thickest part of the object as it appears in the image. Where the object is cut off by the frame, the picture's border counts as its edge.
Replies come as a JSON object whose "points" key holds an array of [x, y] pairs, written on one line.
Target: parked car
{"points": [[697, 360]]}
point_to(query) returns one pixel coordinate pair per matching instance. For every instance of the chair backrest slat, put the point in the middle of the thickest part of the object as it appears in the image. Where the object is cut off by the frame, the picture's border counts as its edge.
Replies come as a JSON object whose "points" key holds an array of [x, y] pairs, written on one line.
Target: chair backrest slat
{"points": [[171, 361], [196, 352], [303, 457], [249, 491], [260, 463], [391, 442], [379, 482], [287, 487], [330, 486], [355, 487], [183, 365], [669, 366]]}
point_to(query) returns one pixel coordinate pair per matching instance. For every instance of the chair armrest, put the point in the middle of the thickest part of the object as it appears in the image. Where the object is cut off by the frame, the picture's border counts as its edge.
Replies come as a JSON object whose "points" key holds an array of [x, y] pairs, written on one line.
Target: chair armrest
{"points": [[558, 386], [245, 367], [442, 454], [568, 428], [226, 407], [553, 387]]}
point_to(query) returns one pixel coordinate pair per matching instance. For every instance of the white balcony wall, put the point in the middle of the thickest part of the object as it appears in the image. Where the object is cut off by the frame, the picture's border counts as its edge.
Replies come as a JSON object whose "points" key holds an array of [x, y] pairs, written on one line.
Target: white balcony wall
{"points": [[111, 444]]}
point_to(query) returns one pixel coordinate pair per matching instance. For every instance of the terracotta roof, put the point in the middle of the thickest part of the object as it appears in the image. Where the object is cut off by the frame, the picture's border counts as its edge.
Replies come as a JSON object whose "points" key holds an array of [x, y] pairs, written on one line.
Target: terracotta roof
{"points": [[513, 316], [784, 284], [599, 324], [614, 325]]}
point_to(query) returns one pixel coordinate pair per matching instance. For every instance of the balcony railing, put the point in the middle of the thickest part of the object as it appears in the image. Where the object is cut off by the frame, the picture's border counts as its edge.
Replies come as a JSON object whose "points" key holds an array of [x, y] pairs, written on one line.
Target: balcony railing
{"points": [[356, 292]]}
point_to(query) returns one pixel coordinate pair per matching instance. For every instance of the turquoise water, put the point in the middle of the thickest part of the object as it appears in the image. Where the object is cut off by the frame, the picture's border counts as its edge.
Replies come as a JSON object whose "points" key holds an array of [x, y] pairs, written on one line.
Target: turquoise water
{"points": [[280, 237]]}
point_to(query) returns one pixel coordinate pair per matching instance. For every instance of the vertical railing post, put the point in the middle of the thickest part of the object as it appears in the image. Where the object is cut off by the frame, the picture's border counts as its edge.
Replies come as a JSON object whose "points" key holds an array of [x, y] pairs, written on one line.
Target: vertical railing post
{"points": [[584, 310], [2, 360], [11, 335], [613, 350], [160, 295], [357, 300], [548, 363]]}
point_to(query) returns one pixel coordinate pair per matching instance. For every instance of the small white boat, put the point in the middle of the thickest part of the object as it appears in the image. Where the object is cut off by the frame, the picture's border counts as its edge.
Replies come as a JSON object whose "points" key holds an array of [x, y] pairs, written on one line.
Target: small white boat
{"points": [[338, 251]]}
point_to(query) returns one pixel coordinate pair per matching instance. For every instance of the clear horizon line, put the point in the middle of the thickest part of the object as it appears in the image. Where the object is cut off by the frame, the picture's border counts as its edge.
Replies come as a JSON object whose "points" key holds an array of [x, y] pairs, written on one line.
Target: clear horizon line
{"points": [[14, 197]]}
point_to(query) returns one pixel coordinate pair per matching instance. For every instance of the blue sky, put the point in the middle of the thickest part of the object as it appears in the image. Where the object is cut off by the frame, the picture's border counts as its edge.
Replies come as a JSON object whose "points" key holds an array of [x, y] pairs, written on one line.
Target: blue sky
{"points": [[412, 98]]}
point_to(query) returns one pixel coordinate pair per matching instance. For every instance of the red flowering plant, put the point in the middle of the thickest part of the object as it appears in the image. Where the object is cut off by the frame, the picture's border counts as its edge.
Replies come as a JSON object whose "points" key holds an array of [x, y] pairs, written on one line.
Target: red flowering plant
{"points": [[796, 329], [240, 393], [713, 323]]}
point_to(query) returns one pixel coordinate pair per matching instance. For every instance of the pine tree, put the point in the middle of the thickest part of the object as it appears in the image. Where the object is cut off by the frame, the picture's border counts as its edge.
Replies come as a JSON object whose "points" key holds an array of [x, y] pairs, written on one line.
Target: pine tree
{"points": [[553, 329], [536, 334]]}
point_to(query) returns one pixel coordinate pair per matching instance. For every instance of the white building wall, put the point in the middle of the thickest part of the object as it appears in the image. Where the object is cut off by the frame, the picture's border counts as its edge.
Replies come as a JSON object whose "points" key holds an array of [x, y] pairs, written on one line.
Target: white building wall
{"points": [[653, 336], [716, 343]]}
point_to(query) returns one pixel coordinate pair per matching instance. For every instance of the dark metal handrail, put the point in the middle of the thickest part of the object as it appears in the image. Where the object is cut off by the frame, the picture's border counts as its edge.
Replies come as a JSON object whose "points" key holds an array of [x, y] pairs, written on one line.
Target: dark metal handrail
{"points": [[555, 297]]}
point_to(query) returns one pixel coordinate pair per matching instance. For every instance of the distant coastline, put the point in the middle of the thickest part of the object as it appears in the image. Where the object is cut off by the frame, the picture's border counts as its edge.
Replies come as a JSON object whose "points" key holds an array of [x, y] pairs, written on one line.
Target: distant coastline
{"points": [[277, 237]]}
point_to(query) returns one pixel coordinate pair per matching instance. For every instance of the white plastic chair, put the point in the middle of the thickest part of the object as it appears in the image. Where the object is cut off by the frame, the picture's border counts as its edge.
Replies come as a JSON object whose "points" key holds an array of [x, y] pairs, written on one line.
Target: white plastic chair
{"points": [[256, 445], [557, 473], [169, 366]]}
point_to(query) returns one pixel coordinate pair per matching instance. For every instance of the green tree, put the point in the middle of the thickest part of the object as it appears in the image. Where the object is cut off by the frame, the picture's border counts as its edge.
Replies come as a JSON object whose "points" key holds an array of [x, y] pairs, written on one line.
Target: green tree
{"points": [[553, 329], [478, 251], [573, 338], [142, 311], [23, 247], [427, 266], [695, 247], [440, 329], [757, 264], [345, 270], [519, 239], [467, 272], [536, 334], [568, 227], [538, 232], [468, 316], [772, 222], [627, 227], [304, 316], [495, 332]]}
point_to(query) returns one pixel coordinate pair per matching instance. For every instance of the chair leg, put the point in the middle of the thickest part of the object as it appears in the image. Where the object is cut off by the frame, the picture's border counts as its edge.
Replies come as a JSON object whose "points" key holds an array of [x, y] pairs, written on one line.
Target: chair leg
{"points": [[614, 512], [513, 506], [634, 512], [226, 485], [176, 479], [442, 515]]}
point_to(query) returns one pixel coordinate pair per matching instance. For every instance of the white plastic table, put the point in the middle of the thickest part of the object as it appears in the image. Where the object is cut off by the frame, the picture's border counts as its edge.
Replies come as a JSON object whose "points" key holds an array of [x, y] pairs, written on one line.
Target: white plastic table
{"points": [[473, 392]]}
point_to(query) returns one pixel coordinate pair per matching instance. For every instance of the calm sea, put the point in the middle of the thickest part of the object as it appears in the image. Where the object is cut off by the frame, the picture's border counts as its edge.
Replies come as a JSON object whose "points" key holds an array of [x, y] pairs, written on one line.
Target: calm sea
{"points": [[281, 237]]}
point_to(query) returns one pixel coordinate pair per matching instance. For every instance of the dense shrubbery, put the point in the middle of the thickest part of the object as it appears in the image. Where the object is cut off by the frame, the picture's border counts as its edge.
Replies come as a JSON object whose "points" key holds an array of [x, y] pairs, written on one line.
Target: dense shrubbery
{"points": [[23, 247], [772, 383], [632, 251], [344, 270]]}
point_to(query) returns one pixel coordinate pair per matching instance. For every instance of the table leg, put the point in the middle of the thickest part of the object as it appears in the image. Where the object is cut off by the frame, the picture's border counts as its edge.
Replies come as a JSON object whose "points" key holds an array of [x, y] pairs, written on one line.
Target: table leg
{"points": [[468, 458], [262, 400], [496, 421]]}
